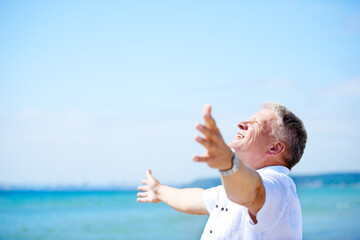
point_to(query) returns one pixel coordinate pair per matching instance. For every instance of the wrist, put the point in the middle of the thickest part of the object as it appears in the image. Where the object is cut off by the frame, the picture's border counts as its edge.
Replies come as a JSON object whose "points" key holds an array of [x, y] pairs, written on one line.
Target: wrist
{"points": [[157, 190], [228, 164], [234, 165]]}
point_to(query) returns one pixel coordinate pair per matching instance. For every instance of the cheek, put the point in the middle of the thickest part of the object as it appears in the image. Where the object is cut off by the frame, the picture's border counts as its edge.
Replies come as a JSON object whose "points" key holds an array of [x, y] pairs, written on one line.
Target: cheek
{"points": [[248, 144], [251, 138], [256, 145], [254, 140]]}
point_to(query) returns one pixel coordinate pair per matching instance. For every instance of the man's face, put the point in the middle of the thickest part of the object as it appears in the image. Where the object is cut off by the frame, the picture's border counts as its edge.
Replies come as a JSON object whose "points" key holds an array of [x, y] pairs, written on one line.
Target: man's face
{"points": [[253, 140]]}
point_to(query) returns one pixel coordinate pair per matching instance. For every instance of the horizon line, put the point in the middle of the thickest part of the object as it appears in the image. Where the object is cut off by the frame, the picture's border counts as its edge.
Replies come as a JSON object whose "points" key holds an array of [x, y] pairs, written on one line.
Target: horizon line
{"points": [[125, 187]]}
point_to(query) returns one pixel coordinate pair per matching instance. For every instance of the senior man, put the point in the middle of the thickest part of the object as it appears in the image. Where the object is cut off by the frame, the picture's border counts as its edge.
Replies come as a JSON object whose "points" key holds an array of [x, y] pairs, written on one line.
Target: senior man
{"points": [[257, 198]]}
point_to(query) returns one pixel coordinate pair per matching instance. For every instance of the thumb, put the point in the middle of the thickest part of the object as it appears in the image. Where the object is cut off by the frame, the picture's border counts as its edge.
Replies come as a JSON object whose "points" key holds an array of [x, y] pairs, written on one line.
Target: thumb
{"points": [[148, 174]]}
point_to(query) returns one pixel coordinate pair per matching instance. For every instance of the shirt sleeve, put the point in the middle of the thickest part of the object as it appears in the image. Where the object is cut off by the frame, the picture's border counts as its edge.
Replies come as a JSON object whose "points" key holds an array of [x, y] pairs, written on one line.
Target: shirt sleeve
{"points": [[211, 196], [276, 201]]}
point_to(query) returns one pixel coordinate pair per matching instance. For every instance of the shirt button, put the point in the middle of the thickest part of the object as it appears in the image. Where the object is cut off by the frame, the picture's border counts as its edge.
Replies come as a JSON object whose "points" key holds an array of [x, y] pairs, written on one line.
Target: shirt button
{"points": [[226, 209], [216, 206], [210, 231], [222, 209]]}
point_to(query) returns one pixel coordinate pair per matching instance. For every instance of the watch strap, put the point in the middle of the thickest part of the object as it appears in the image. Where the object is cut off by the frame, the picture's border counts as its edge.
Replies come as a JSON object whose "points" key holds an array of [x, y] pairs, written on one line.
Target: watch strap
{"points": [[235, 165]]}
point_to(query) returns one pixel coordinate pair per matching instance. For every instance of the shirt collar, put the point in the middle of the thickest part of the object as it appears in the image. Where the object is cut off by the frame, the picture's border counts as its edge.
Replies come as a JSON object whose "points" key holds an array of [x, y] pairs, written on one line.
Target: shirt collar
{"points": [[277, 168]]}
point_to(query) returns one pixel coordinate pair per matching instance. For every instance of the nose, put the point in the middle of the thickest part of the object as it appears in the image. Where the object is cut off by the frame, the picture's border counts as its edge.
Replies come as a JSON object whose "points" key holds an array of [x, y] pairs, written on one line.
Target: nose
{"points": [[243, 125]]}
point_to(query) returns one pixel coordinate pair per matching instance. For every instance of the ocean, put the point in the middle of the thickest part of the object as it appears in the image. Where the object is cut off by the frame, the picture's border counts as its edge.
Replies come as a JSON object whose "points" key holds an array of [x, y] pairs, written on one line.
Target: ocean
{"points": [[329, 212]]}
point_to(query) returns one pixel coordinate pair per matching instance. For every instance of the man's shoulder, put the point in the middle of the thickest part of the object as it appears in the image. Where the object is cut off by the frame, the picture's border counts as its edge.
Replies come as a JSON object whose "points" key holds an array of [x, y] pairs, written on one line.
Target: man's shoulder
{"points": [[276, 175], [277, 170], [215, 190]]}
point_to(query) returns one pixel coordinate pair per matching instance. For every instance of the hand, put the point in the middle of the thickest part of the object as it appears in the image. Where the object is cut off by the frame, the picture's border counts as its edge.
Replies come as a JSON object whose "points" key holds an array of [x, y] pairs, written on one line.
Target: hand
{"points": [[149, 192], [218, 154]]}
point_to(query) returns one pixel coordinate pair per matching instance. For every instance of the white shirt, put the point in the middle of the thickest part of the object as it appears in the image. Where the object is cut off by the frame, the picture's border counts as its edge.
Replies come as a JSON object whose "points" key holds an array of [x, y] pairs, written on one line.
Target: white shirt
{"points": [[279, 217]]}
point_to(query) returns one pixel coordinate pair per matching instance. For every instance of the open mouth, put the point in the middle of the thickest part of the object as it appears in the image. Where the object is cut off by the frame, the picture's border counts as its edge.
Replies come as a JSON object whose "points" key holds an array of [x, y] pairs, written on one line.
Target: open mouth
{"points": [[239, 135]]}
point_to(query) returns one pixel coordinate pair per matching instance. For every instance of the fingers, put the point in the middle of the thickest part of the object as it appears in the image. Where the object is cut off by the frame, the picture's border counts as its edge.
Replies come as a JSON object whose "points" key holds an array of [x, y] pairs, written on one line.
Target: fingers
{"points": [[146, 192], [142, 200], [143, 188], [212, 138], [209, 133], [206, 110], [142, 194], [201, 158], [206, 143], [209, 120]]}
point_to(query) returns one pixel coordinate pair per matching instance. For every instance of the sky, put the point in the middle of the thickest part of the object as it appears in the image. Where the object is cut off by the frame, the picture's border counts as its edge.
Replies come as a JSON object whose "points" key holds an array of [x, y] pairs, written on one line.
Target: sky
{"points": [[96, 92]]}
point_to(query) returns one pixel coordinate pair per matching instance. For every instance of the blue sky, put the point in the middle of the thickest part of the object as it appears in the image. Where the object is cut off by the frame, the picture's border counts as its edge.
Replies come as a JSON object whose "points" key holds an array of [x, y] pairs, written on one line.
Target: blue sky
{"points": [[98, 91]]}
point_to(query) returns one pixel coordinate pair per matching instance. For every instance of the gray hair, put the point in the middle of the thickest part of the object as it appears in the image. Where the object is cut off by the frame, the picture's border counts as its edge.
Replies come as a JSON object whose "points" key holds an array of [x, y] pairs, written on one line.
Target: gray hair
{"points": [[289, 129]]}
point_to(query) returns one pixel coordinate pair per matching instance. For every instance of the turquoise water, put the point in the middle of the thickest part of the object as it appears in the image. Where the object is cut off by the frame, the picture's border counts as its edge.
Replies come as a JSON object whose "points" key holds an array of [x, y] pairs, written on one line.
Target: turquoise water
{"points": [[328, 213]]}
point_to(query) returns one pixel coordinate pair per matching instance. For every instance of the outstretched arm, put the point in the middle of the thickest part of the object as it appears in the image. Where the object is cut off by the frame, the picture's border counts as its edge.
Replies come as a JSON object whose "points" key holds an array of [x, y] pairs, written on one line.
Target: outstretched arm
{"points": [[187, 200], [245, 186]]}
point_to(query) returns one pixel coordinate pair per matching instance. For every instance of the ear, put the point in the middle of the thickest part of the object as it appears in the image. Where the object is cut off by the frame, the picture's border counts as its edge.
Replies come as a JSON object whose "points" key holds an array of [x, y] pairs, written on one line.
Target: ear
{"points": [[276, 148]]}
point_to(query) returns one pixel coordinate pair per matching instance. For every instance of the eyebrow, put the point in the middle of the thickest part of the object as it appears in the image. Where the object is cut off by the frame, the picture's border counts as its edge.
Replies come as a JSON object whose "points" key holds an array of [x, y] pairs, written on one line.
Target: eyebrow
{"points": [[257, 122]]}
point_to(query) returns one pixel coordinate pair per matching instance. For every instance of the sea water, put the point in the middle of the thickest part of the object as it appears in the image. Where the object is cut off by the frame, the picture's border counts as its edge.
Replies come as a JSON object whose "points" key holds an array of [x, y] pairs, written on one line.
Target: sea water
{"points": [[328, 213]]}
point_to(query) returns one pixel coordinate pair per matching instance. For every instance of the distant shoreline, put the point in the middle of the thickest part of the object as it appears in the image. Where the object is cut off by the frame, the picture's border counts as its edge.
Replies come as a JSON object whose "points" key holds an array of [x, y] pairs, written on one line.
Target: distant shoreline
{"points": [[301, 181]]}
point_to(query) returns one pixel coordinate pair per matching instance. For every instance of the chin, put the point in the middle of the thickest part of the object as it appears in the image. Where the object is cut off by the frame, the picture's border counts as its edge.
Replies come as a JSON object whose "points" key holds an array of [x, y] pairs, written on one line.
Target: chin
{"points": [[230, 144], [235, 142]]}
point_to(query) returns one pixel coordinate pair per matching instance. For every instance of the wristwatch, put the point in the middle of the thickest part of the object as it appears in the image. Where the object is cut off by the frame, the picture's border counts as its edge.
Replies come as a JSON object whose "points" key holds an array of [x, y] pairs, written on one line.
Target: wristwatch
{"points": [[235, 165]]}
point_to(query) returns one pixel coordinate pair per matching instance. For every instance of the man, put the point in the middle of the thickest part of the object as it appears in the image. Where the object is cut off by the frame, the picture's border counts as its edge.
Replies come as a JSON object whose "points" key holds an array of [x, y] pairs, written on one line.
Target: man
{"points": [[257, 198]]}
